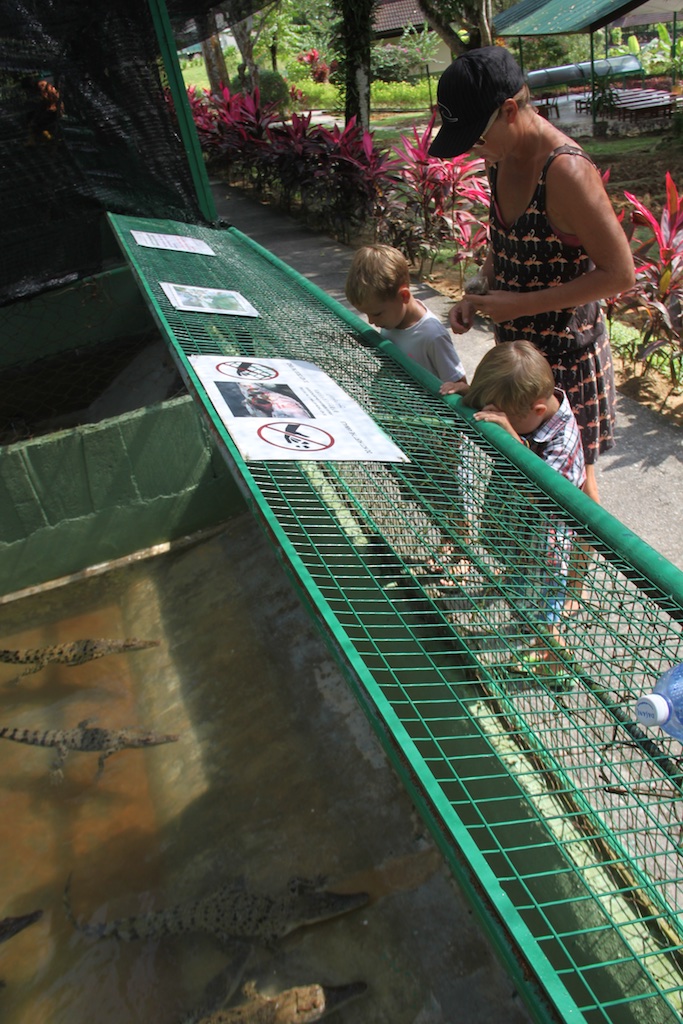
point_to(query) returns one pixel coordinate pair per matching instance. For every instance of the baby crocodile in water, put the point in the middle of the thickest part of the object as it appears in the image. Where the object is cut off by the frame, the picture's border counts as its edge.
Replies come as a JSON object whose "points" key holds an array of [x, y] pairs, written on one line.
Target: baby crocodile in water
{"points": [[232, 913], [84, 738], [299, 1005], [76, 652]]}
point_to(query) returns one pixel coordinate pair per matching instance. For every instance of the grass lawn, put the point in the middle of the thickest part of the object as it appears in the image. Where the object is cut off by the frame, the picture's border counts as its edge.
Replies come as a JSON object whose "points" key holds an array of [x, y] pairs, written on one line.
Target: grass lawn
{"points": [[195, 74]]}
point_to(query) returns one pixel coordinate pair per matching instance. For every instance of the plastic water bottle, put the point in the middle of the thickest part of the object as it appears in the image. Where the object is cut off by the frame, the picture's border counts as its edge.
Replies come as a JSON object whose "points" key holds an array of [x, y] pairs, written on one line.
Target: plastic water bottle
{"points": [[664, 706]]}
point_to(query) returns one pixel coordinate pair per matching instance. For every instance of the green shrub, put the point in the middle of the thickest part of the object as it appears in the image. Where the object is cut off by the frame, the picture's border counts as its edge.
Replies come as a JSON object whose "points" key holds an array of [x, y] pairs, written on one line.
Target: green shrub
{"points": [[402, 95], [384, 95], [272, 87], [626, 341], [318, 95]]}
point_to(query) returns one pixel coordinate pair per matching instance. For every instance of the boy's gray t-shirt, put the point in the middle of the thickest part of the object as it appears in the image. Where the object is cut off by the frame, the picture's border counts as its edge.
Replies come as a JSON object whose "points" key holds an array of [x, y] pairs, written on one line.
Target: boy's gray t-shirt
{"points": [[429, 344]]}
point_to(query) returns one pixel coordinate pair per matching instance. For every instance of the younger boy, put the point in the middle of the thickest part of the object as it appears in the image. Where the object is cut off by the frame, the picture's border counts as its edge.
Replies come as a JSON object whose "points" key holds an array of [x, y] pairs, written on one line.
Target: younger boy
{"points": [[513, 386], [378, 285]]}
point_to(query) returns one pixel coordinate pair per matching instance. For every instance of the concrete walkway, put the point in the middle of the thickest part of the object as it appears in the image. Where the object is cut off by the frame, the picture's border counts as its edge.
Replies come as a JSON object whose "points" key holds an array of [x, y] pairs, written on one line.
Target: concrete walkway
{"points": [[640, 479]]}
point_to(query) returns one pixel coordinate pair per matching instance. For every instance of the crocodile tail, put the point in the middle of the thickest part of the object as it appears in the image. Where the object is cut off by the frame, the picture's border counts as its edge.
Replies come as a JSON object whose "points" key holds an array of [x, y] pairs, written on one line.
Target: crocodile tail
{"points": [[147, 926], [16, 657], [34, 737]]}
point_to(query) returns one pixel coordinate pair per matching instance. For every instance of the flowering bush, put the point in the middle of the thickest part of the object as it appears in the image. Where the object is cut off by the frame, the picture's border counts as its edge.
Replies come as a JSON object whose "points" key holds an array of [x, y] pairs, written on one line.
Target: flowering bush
{"points": [[444, 202], [342, 180], [319, 69], [397, 62], [658, 291]]}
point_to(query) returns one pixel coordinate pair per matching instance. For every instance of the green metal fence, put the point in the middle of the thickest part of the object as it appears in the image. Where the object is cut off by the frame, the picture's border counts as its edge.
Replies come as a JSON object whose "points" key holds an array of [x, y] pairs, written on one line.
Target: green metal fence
{"points": [[432, 582]]}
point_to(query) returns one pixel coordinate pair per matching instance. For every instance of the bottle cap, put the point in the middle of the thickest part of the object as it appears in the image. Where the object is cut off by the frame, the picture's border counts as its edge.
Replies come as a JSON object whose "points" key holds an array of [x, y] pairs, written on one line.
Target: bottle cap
{"points": [[653, 709]]}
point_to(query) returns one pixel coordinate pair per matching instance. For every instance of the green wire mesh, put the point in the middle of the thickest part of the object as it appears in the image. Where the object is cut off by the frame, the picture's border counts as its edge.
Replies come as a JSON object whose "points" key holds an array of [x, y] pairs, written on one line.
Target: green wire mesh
{"points": [[433, 581]]}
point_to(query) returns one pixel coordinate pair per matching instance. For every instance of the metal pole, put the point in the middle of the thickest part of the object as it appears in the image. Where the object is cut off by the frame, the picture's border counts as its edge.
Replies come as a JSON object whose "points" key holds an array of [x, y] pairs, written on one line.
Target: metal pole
{"points": [[673, 52], [186, 126], [593, 111]]}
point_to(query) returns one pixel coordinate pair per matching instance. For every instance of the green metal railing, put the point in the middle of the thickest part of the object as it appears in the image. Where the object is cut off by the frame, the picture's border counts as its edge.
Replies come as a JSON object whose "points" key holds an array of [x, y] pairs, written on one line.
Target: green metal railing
{"points": [[431, 580]]}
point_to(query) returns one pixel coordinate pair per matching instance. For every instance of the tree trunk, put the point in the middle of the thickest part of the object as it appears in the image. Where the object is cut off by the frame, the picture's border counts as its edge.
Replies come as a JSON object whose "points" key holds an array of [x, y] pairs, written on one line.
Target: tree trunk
{"points": [[485, 20], [358, 95], [443, 28], [355, 34], [212, 52], [248, 71]]}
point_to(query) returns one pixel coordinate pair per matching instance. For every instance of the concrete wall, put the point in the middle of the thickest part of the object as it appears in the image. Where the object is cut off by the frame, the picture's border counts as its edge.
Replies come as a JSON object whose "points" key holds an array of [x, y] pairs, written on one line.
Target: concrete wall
{"points": [[81, 497]]}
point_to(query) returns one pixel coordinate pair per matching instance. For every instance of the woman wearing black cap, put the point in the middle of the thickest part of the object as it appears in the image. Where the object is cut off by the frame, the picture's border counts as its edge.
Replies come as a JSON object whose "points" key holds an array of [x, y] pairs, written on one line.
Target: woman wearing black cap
{"points": [[556, 247]]}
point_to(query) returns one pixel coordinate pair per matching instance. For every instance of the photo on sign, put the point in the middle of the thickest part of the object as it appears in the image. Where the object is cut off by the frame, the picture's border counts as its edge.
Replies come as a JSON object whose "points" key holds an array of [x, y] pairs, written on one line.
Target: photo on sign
{"points": [[275, 401], [207, 300]]}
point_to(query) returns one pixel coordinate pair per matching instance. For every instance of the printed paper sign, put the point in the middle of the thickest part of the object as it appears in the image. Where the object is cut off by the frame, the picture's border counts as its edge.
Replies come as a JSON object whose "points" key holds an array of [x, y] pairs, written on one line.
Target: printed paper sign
{"points": [[290, 409], [207, 300], [180, 243]]}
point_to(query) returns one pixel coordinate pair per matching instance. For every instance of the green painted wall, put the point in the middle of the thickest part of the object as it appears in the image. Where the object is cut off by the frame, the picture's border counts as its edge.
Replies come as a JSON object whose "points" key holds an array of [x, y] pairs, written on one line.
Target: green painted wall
{"points": [[81, 497], [89, 312]]}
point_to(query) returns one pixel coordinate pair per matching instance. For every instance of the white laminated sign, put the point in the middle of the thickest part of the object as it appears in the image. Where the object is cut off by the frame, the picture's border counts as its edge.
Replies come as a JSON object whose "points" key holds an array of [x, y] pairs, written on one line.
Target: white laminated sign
{"points": [[290, 409]]}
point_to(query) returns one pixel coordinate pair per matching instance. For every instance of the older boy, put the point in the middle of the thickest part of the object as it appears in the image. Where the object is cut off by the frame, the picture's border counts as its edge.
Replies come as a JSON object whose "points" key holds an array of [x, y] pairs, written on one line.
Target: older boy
{"points": [[378, 285]]}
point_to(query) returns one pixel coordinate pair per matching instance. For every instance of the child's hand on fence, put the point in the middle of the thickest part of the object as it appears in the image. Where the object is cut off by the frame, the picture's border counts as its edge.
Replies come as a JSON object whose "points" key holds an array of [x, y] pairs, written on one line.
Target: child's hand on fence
{"points": [[453, 387], [492, 414]]}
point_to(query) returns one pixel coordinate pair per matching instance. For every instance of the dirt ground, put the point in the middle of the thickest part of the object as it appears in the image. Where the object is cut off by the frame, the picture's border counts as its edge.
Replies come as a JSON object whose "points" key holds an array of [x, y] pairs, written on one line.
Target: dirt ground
{"points": [[643, 173]]}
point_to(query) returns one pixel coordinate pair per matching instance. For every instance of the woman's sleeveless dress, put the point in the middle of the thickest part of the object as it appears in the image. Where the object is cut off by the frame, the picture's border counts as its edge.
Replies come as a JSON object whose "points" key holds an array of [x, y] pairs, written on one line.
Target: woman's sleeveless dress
{"points": [[529, 255]]}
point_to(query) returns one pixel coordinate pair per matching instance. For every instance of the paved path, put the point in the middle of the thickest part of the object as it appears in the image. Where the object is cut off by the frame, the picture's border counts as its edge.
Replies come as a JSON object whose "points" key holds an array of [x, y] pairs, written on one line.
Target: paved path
{"points": [[640, 479]]}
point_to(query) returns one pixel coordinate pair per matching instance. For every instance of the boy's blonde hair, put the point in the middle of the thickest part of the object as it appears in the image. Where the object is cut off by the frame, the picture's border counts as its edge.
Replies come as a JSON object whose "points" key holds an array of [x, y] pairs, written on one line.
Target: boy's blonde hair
{"points": [[511, 376], [376, 271]]}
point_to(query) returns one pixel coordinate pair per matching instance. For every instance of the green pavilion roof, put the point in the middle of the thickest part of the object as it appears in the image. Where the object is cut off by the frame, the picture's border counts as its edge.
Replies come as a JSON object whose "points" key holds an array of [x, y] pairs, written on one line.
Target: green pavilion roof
{"points": [[557, 17]]}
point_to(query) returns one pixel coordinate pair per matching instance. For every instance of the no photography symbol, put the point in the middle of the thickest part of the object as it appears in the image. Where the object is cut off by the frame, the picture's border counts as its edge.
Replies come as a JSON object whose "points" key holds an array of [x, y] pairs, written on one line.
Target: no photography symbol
{"points": [[301, 437], [247, 370]]}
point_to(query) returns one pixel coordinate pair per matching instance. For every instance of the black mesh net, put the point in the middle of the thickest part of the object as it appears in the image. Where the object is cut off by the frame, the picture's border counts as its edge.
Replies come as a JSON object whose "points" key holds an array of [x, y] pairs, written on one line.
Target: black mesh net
{"points": [[86, 126]]}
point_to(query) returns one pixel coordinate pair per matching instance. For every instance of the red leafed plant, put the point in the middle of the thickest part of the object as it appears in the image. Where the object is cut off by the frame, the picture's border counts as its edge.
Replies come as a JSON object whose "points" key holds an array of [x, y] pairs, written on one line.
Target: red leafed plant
{"points": [[445, 201], [657, 247]]}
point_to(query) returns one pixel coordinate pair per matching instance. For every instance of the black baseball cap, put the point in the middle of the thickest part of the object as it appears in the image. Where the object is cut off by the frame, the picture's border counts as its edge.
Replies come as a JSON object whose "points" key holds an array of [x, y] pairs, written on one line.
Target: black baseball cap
{"points": [[470, 90]]}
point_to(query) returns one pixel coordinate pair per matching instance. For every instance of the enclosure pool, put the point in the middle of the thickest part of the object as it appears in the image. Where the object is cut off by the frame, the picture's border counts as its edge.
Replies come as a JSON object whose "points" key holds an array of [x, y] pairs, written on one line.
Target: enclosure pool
{"points": [[276, 774]]}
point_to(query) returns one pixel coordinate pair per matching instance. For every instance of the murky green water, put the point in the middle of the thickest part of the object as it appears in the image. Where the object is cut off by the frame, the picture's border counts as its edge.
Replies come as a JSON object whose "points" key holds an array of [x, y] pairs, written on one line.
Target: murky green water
{"points": [[276, 773]]}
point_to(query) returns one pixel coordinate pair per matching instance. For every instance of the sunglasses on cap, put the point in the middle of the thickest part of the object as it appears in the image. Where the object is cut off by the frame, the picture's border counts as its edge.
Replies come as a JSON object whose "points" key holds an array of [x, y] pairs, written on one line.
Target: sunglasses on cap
{"points": [[481, 141]]}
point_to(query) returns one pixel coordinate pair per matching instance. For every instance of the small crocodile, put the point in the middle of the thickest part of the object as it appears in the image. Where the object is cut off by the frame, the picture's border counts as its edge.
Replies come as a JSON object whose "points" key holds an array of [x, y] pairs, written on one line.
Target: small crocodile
{"points": [[75, 652], [86, 738], [232, 914], [299, 1005]]}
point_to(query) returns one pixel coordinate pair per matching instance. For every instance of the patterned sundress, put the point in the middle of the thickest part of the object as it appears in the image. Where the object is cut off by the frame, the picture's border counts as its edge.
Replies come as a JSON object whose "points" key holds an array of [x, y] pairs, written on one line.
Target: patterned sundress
{"points": [[529, 255]]}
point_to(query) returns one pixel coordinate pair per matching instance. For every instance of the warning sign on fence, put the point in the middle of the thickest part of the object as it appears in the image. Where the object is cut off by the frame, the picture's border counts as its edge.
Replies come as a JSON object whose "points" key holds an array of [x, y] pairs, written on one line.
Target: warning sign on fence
{"points": [[290, 409]]}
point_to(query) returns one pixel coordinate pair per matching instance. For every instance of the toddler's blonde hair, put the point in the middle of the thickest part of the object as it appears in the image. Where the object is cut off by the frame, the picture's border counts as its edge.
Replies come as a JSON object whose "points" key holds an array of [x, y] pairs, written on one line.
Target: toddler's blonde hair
{"points": [[376, 271], [511, 376]]}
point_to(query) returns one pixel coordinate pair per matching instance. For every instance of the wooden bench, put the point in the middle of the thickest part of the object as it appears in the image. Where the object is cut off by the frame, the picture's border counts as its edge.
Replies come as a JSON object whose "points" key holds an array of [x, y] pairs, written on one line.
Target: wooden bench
{"points": [[545, 107], [633, 104]]}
